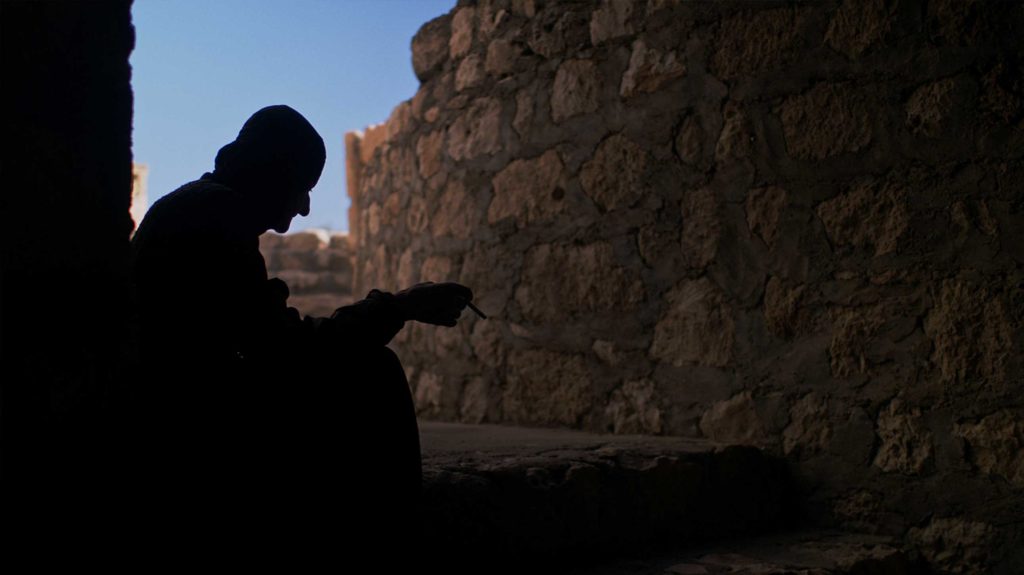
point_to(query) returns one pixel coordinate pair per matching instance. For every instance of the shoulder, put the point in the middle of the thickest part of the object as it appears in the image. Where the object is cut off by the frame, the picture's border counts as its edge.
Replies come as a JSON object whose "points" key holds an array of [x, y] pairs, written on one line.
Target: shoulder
{"points": [[201, 207]]}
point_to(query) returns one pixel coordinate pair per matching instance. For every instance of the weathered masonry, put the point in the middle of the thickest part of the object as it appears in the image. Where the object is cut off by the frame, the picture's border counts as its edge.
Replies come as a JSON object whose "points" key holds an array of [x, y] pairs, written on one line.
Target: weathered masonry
{"points": [[791, 225]]}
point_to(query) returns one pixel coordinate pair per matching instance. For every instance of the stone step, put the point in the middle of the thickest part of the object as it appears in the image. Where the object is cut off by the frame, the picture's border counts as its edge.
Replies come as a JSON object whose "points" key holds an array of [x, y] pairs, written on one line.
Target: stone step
{"points": [[798, 553], [549, 495]]}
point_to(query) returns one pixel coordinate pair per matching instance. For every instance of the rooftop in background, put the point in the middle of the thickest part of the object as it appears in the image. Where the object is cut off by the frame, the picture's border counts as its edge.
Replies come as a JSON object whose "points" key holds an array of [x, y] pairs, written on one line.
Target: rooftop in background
{"points": [[200, 69]]}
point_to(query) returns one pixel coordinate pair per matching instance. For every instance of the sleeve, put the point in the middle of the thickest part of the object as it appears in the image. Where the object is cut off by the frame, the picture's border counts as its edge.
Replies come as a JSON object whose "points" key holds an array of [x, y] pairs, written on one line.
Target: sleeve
{"points": [[374, 321]]}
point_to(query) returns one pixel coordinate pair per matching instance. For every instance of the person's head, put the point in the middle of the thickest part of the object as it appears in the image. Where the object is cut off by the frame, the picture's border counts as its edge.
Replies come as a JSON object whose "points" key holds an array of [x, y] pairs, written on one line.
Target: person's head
{"points": [[275, 161]]}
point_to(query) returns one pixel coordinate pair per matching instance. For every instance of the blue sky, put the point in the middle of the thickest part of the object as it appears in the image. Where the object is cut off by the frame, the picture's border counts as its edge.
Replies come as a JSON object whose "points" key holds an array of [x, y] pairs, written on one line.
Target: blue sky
{"points": [[201, 67]]}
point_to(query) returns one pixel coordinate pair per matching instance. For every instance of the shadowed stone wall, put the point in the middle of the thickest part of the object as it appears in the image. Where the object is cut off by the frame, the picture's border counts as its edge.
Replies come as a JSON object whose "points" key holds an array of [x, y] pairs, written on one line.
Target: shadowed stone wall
{"points": [[790, 225], [64, 312]]}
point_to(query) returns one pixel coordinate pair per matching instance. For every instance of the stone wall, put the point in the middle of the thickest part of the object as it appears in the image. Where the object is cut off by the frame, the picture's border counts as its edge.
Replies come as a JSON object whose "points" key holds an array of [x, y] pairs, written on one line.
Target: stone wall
{"points": [[64, 293], [316, 265], [795, 225]]}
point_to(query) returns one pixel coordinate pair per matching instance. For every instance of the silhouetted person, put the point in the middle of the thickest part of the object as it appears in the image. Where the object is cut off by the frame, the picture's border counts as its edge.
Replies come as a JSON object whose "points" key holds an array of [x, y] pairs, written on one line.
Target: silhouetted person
{"points": [[253, 416]]}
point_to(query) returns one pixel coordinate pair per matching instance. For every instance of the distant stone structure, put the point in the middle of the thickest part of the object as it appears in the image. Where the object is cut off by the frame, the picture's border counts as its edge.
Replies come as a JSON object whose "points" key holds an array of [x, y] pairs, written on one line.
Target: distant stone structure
{"points": [[793, 225], [140, 199], [315, 264]]}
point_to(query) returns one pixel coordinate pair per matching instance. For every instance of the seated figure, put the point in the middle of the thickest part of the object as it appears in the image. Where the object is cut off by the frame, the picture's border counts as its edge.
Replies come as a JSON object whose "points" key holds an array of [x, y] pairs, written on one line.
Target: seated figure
{"points": [[250, 414]]}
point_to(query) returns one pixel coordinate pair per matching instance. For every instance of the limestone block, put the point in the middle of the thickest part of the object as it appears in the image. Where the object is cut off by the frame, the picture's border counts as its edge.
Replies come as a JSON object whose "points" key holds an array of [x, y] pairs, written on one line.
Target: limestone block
{"points": [[954, 545], [606, 351], [996, 444], [751, 43], [430, 47], [554, 32], [463, 23], [401, 167], [702, 228], [456, 213], [372, 226], [270, 242], [427, 396], [633, 409], [611, 20], [972, 333], [564, 281], [492, 285], [871, 214], [734, 420], [416, 219], [853, 332], [654, 244], [764, 206], [436, 269], [524, 111], [575, 90], [649, 70], [735, 141], [697, 327], [931, 108], [614, 177], [858, 24], [342, 242], [690, 141], [785, 308], [501, 57], [906, 444], [304, 241], [478, 401], [808, 431], [477, 131], [528, 190], [546, 387], [827, 120], [429, 148], [299, 281], [470, 73], [408, 268], [488, 343]]}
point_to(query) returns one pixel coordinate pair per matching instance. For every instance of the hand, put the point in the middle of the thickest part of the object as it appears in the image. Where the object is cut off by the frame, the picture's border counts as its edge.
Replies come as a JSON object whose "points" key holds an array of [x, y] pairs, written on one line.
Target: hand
{"points": [[437, 304]]}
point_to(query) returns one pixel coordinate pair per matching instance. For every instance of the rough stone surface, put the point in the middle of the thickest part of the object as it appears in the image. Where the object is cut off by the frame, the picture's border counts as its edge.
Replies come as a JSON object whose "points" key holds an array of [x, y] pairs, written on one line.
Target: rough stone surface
{"points": [[800, 214], [528, 190], [872, 214], [733, 421], [649, 70], [764, 206], [996, 444], [576, 293], [633, 408], [954, 545], [808, 429], [430, 47], [906, 444], [971, 333], [575, 90], [614, 177], [696, 328], [857, 25], [315, 264], [546, 387], [749, 43], [457, 213], [702, 228], [611, 20], [825, 121], [462, 32], [469, 74], [477, 131]]}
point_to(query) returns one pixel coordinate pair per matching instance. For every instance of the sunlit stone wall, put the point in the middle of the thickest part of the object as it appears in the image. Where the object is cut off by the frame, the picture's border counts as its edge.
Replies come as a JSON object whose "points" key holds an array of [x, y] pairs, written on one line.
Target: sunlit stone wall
{"points": [[791, 225], [316, 265]]}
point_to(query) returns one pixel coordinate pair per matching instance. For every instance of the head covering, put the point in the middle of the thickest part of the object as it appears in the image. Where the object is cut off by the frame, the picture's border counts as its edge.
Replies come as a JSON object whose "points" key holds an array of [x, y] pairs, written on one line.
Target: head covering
{"points": [[276, 150]]}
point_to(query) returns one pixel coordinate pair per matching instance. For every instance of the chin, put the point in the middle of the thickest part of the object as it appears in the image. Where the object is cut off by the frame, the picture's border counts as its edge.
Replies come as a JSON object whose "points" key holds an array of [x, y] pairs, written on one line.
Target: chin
{"points": [[282, 228]]}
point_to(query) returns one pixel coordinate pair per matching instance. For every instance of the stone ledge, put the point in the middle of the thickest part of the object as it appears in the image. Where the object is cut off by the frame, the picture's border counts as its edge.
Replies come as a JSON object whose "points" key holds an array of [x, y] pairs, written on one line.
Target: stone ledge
{"points": [[555, 495]]}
